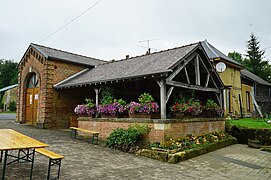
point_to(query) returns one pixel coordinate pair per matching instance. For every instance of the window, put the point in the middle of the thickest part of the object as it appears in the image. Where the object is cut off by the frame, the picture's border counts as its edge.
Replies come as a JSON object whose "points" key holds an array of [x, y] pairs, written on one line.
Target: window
{"points": [[33, 81], [248, 100]]}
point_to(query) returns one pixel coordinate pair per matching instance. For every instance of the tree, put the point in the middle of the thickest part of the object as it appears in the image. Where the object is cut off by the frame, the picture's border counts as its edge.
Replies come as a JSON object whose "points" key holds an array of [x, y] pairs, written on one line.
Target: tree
{"points": [[236, 56], [254, 61], [8, 73]]}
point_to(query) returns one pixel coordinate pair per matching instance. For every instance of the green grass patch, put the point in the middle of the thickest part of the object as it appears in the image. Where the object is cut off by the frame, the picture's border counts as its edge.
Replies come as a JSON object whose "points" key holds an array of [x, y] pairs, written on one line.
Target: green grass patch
{"points": [[8, 112], [250, 123]]}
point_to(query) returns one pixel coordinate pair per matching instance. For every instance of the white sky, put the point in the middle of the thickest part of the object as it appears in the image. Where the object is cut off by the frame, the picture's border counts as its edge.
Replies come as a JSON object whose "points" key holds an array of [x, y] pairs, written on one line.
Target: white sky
{"points": [[114, 28]]}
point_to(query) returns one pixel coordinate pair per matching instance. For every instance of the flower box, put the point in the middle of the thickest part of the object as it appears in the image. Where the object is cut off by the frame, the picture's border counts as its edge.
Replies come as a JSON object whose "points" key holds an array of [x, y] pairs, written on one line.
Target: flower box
{"points": [[139, 115], [108, 115], [179, 115], [209, 113]]}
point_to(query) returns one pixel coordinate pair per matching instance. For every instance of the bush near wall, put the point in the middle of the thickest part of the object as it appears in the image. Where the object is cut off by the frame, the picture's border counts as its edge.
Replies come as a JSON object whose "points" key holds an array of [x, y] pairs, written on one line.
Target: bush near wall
{"points": [[175, 151], [127, 140], [243, 134]]}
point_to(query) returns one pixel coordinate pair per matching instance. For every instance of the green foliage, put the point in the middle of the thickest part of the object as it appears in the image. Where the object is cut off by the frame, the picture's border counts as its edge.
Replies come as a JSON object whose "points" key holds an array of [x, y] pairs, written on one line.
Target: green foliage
{"points": [[12, 106], [145, 98], [236, 56], [254, 60], [1, 105], [190, 141], [121, 102], [243, 134], [211, 105], [8, 73], [107, 94], [254, 55], [126, 139], [249, 123], [90, 103]]}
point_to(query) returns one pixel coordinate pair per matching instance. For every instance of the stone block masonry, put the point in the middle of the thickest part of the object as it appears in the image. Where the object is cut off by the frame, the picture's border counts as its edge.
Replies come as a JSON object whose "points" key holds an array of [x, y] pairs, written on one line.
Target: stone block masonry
{"points": [[161, 130]]}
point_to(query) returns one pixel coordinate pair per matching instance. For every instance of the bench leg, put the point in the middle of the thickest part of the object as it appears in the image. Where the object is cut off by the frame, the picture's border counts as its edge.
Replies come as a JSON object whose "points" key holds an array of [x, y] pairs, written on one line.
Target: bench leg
{"points": [[53, 162], [1, 157], [95, 138], [73, 133]]}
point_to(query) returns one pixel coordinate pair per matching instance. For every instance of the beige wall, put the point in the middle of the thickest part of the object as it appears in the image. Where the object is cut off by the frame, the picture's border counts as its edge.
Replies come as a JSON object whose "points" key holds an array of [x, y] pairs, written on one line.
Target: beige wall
{"points": [[231, 78], [247, 101]]}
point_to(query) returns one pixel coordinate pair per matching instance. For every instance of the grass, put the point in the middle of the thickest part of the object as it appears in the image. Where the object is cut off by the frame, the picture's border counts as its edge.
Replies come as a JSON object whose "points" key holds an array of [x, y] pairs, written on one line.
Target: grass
{"points": [[250, 123], [8, 112]]}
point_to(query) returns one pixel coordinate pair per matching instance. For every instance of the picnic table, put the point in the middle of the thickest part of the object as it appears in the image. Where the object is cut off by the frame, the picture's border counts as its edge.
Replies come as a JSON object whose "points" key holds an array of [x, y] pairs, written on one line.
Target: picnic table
{"points": [[12, 140]]}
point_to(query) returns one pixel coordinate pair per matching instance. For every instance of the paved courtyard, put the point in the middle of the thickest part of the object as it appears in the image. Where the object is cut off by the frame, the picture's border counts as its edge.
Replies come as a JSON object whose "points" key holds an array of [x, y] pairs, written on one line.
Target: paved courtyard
{"points": [[86, 161]]}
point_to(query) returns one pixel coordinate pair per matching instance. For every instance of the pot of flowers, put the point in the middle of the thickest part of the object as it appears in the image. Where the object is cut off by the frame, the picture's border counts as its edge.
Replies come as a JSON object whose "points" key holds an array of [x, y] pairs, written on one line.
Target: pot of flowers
{"points": [[211, 109], [186, 107], [86, 110], [179, 109], [108, 110], [193, 107], [147, 108]]}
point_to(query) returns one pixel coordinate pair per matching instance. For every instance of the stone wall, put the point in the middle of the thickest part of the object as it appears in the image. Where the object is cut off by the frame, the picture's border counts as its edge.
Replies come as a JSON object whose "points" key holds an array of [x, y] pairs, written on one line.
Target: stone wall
{"points": [[50, 72], [160, 129]]}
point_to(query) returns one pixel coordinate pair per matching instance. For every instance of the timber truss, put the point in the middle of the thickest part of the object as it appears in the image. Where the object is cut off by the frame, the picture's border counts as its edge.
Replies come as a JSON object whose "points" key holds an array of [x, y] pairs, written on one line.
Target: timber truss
{"points": [[195, 73]]}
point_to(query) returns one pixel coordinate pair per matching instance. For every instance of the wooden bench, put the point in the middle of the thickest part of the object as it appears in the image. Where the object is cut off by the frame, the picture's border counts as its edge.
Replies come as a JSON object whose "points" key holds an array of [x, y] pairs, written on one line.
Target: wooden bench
{"points": [[95, 135], [54, 159]]}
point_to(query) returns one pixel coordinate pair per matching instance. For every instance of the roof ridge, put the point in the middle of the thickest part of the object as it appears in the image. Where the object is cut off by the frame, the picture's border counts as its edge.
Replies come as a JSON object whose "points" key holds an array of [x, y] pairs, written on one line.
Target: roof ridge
{"points": [[108, 62], [67, 52]]}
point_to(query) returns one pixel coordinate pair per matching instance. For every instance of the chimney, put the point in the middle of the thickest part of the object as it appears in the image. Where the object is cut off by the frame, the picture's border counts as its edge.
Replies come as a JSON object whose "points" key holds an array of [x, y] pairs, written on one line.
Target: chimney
{"points": [[127, 57], [149, 51]]}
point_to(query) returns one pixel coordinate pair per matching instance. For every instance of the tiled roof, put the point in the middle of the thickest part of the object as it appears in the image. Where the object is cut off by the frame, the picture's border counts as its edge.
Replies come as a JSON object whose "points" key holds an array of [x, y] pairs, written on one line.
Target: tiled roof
{"points": [[213, 53], [8, 87], [66, 56], [154, 63], [247, 74]]}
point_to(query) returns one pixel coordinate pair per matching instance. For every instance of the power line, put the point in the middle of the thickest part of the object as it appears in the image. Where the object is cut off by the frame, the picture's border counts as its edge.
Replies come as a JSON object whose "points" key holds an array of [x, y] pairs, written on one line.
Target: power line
{"points": [[62, 27]]}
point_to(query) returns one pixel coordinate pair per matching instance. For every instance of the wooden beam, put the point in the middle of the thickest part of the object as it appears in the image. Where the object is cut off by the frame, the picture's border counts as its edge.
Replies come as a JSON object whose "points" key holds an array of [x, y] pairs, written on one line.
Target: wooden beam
{"points": [[212, 79], [180, 67], [163, 105], [190, 86], [207, 80], [186, 74], [169, 93], [218, 99], [197, 72], [97, 90]]}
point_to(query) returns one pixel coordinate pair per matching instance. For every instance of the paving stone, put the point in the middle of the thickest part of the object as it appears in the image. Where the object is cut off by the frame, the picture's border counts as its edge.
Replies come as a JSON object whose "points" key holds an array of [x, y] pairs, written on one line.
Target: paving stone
{"points": [[84, 161]]}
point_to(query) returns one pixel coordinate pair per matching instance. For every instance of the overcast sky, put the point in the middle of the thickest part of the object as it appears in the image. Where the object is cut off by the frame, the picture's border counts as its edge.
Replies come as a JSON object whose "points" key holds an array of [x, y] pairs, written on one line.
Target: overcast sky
{"points": [[114, 28]]}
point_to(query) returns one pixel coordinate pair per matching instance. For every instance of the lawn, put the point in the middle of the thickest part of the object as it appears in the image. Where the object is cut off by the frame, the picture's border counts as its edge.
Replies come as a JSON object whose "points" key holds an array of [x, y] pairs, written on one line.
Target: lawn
{"points": [[250, 123]]}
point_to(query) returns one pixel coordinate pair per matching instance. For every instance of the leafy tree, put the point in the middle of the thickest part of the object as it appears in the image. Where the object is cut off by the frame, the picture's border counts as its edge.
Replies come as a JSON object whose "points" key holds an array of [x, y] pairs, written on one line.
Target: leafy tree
{"points": [[8, 73], [254, 61], [236, 56]]}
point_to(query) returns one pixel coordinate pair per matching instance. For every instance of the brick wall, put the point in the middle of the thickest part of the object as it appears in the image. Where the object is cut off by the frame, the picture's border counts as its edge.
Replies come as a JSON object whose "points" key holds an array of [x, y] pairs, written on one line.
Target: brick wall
{"points": [[51, 112], [160, 130]]}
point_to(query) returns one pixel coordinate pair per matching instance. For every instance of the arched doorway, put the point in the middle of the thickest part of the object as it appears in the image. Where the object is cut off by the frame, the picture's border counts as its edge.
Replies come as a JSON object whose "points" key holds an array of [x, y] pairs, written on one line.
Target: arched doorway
{"points": [[32, 97]]}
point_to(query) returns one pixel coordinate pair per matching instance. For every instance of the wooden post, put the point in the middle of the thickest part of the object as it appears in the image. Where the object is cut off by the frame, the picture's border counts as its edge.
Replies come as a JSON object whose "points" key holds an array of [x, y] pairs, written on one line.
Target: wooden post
{"points": [[97, 90], [163, 96], [197, 72]]}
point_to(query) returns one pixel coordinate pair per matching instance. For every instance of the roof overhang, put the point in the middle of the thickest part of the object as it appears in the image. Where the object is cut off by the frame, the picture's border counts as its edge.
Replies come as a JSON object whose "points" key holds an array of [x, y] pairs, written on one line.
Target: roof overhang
{"points": [[115, 80]]}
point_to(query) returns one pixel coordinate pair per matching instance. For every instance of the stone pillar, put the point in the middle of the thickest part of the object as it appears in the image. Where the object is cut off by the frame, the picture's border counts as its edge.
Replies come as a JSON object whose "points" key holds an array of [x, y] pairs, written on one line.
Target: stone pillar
{"points": [[163, 98]]}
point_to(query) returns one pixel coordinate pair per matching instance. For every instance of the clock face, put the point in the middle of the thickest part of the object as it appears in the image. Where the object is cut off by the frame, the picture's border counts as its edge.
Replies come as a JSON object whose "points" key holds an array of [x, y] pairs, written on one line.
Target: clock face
{"points": [[220, 67]]}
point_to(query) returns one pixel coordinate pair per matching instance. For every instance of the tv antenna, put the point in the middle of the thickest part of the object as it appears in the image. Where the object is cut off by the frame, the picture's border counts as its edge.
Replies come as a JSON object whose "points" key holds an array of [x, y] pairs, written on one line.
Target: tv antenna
{"points": [[148, 44]]}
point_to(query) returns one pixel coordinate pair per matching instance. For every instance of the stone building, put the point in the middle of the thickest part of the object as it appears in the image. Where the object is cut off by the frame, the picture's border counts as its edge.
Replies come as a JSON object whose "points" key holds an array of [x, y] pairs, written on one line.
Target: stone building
{"points": [[8, 95], [261, 90], [39, 69]]}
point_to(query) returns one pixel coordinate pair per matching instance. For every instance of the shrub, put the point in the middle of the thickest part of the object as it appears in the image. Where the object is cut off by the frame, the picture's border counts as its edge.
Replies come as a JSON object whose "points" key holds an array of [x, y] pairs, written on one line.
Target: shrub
{"points": [[107, 95], [145, 98], [12, 106], [127, 140]]}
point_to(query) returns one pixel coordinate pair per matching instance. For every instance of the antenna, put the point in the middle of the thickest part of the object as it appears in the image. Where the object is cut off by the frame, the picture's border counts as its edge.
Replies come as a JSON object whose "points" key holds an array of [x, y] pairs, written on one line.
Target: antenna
{"points": [[148, 44]]}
